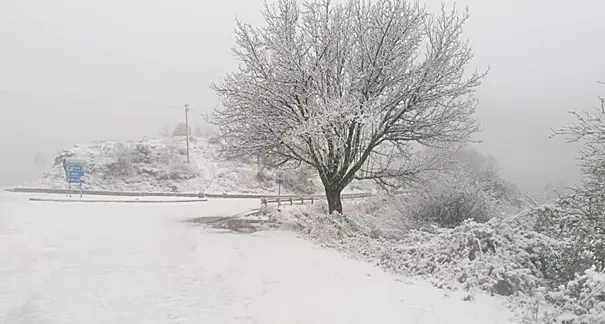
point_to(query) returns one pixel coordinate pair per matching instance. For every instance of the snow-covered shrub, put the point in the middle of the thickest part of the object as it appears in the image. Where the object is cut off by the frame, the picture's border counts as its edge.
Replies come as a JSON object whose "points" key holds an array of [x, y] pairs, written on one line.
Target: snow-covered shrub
{"points": [[493, 256], [579, 216], [573, 257], [580, 301], [497, 256], [450, 203], [387, 213], [342, 232], [581, 219], [123, 163], [65, 154], [466, 186], [119, 168], [142, 154], [178, 171]]}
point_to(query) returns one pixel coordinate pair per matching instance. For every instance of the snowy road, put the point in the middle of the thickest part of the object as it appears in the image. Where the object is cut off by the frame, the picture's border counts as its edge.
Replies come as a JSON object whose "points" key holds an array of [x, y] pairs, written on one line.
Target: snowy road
{"points": [[116, 263]]}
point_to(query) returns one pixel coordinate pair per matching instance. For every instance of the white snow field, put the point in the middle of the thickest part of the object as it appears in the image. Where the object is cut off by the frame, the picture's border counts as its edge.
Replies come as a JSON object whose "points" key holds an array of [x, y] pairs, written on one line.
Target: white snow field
{"points": [[80, 263]]}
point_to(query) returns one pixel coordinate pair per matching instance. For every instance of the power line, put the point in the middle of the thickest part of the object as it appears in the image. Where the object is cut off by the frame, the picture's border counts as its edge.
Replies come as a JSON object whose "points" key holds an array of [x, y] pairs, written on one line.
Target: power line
{"points": [[41, 96]]}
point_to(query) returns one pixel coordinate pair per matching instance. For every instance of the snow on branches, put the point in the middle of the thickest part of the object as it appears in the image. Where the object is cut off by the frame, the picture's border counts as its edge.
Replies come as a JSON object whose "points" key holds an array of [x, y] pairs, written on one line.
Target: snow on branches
{"points": [[590, 128], [580, 215], [334, 85]]}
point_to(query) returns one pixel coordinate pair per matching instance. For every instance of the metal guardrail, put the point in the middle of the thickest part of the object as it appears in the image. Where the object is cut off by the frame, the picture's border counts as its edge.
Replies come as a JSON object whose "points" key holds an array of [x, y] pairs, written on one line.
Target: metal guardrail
{"points": [[265, 201], [295, 199], [183, 194], [118, 201]]}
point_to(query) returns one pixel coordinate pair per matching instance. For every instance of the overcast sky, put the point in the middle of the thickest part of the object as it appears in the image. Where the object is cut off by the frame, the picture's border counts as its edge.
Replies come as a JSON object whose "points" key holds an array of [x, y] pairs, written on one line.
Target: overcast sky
{"points": [[75, 71]]}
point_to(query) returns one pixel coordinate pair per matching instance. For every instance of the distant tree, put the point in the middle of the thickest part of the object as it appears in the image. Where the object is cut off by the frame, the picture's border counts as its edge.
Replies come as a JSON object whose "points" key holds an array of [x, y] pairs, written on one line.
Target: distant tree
{"points": [[348, 89], [466, 185], [484, 169], [180, 130]]}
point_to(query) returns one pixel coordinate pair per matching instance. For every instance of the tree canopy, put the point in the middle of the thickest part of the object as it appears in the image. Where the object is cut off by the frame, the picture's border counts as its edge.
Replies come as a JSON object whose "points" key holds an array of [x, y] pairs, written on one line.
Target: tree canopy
{"points": [[349, 88]]}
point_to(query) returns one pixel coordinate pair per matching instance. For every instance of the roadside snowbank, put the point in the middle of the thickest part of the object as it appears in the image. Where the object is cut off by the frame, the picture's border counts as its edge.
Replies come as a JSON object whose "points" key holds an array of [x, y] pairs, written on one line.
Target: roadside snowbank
{"points": [[499, 257]]}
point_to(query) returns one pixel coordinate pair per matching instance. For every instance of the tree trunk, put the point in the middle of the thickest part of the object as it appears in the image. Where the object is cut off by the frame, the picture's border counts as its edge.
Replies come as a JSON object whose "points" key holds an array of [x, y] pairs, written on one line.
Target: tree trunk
{"points": [[334, 201]]}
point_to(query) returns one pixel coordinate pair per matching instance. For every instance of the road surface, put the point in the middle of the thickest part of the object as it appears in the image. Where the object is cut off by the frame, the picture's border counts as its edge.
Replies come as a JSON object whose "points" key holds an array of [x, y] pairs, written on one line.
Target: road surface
{"points": [[120, 263]]}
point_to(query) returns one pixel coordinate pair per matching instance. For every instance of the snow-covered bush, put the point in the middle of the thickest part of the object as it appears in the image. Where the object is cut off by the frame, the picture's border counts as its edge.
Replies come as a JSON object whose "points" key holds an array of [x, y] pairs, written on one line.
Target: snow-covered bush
{"points": [[579, 301], [466, 186], [573, 256], [132, 159], [453, 201], [504, 256], [123, 164], [493, 256], [142, 154], [349, 233], [579, 216], [178, 171], [65, 154]]}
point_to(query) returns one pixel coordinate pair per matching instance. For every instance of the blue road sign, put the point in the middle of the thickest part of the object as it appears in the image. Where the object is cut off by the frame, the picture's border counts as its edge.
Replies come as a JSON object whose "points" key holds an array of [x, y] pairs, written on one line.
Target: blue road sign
{"points": [[75, 172]]}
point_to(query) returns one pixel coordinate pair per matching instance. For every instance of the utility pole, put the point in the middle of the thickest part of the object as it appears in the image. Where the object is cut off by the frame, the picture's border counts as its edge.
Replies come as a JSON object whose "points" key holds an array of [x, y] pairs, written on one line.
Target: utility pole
{"points": [[187, 129]]}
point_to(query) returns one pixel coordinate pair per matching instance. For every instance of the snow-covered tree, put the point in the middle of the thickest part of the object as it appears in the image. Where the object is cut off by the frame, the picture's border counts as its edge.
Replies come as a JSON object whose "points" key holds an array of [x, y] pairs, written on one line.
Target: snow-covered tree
{"points": [[348, 88], [580, 215], [484, 169]]}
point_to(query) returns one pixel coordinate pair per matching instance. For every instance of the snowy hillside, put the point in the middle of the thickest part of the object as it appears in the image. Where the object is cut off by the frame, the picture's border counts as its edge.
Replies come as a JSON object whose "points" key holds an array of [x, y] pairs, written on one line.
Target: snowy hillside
{"points": [[160, 165]]}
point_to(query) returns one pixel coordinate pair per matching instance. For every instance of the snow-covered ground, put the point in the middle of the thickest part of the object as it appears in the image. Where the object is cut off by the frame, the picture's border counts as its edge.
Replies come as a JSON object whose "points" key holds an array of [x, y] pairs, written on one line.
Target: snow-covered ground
{"points": [[159, 165], [116, 263]]}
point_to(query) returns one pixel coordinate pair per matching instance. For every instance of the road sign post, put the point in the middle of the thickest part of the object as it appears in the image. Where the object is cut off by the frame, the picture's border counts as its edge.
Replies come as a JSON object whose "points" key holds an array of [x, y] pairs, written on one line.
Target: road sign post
{"points": [[279, 179], [75, 171]]}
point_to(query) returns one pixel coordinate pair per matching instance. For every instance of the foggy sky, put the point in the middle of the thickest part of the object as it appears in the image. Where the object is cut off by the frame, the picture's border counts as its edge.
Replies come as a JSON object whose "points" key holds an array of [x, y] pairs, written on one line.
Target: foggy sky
{"points": [[75, 71]]}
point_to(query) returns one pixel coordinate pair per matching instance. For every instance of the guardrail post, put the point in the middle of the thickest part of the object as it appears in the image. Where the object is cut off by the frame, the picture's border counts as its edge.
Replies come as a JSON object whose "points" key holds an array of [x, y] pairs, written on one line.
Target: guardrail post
{"points": [[312, 200], [302, 200], [291, 201]]}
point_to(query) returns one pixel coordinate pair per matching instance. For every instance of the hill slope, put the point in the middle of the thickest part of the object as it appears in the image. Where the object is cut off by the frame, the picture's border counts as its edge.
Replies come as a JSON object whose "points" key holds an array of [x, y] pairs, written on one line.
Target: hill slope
{"points": [[160, 165]]}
